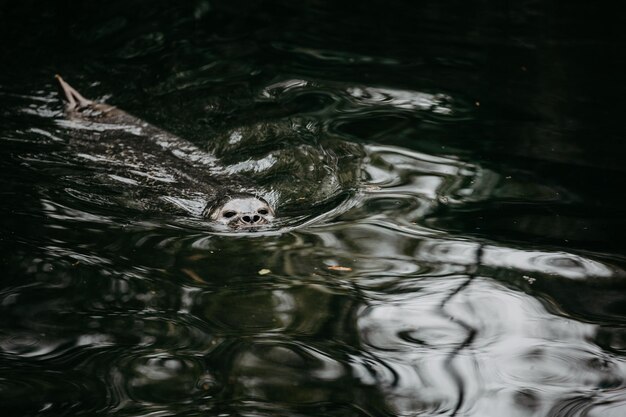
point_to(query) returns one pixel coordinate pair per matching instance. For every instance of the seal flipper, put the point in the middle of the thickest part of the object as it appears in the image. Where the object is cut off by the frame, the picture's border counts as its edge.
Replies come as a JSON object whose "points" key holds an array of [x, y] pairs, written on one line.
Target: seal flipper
{"points": [[74, 98]]}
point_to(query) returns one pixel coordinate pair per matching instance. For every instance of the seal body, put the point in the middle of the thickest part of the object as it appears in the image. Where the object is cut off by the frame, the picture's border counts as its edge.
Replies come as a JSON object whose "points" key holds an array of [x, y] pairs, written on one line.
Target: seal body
{"points": [[137, 152]]}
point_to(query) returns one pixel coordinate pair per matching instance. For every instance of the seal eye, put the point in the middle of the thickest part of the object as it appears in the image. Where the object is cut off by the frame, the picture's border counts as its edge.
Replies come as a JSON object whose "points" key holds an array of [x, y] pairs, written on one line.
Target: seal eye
{"points": [[262, 211], [229, 214]]}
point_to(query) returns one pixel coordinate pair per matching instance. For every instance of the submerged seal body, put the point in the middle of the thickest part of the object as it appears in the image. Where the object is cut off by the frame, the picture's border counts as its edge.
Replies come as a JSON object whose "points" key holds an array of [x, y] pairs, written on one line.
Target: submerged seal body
{"points": [[230, 200]]}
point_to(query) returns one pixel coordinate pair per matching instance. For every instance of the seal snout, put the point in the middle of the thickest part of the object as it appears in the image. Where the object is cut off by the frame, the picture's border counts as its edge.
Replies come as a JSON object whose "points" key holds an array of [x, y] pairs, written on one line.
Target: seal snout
{"points": [[242, 212], [251, 218]]}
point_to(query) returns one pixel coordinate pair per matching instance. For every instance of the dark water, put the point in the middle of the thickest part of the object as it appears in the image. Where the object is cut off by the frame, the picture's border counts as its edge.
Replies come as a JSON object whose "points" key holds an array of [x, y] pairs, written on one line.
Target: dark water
{"points": [[450, 180]]}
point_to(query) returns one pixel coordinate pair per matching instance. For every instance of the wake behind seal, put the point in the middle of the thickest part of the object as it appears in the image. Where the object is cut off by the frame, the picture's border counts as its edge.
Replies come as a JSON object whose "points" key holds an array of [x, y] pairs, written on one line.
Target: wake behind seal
{"points": [[229, 200]]}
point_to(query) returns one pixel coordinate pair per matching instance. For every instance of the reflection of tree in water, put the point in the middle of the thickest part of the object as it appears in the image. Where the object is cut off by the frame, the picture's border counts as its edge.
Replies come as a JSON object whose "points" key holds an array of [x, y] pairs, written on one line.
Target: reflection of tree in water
{"points": [[471, 332]]}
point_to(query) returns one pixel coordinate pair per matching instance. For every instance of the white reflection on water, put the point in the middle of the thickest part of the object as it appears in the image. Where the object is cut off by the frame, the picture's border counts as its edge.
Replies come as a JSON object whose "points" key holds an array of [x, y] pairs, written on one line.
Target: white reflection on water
{"points": [[555, 263], [402, 99], [526, 351], [362, 97]]}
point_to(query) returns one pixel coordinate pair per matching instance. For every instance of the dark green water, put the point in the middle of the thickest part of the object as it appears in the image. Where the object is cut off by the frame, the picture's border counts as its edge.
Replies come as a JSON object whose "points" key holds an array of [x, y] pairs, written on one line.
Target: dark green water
{"points": [[449, 178]]}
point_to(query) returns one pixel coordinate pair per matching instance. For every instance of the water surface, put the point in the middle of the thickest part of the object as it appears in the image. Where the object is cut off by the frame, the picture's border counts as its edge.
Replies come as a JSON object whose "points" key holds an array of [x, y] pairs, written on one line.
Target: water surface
{"points": [[449, 181]]}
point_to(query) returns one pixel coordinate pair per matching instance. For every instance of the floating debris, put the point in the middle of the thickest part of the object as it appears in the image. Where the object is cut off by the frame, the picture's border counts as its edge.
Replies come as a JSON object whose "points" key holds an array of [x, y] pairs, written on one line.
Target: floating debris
{"points": [[339, 268]]}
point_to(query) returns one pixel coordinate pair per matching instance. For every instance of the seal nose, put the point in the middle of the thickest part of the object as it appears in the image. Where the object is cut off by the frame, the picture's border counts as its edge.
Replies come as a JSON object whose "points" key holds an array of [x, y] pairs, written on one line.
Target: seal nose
{"points": [[250, 218]]}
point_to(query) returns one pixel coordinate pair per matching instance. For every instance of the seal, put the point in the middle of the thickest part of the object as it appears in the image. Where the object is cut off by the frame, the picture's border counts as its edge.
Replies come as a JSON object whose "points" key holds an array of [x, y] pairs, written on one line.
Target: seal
{"points": [[229, 201]]}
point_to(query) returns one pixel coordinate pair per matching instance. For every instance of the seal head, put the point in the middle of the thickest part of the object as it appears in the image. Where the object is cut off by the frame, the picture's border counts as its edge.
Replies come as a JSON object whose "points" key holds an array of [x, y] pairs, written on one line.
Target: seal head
{"points": [[240, 211]]}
